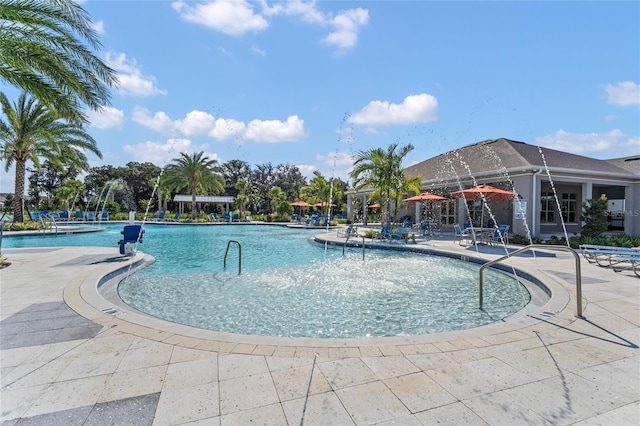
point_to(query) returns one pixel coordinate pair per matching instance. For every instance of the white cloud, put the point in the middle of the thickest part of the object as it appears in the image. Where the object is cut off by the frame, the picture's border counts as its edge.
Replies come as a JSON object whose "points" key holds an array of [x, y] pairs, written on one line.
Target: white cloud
{"points": [[196, 123], [623, 93], [160, 122], [275, 130], [203, 123], [306, 170], [98, 27], [345, 29], [258, 50], [338, 159], [239, 17], [229, 17], [105, 118], [131, 81], [591, 143], [307, 11], [414, 109], [161, 154], [226, 129]]}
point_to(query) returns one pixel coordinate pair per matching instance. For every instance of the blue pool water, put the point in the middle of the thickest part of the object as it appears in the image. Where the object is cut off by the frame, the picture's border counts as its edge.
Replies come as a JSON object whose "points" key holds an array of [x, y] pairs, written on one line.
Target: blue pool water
{"points": [[293, 287]]}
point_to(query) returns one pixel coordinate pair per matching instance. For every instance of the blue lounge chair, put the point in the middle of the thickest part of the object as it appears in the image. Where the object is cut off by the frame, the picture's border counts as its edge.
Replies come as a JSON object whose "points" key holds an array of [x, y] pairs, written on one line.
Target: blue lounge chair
{"points": [[34, 215], [176, 217], [90, 216], [79, 215], [131, 234], [236, 217], [104, 216], [227, 217], [64, 215]]}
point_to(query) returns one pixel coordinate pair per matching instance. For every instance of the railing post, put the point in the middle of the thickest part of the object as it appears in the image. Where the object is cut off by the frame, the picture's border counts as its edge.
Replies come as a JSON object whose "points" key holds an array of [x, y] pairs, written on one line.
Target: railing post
{"points": [[544, 247], [239, 255]]}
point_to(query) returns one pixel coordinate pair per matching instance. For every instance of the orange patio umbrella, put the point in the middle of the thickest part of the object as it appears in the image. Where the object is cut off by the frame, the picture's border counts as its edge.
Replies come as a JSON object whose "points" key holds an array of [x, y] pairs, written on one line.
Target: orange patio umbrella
{"points": [[374, 206], [485, 192], [425, 196], [323, 204], [300, 204]]}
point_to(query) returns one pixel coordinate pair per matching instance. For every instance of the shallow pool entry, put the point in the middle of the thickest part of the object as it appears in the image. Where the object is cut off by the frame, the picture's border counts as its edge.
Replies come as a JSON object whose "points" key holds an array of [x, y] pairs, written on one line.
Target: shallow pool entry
{"points": [[387, 294]]}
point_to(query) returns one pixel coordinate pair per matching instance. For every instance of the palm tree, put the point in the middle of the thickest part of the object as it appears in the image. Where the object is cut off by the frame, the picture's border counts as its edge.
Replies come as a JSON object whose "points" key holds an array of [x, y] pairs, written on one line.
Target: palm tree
{"points": [[29, 131], [42, 46], [382, 172], [242, 199], [276, 195], [195, 173]]}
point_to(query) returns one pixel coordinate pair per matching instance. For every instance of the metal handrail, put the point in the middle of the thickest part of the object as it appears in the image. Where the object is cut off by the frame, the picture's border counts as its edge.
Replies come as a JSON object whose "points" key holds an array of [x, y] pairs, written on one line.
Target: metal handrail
{"points": [[345, 244], [239, 255], [546, 247]]}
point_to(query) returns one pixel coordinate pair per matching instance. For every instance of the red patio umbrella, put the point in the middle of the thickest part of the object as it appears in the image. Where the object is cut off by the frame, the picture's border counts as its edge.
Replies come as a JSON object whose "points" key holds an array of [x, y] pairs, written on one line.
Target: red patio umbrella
{"points": [[485, 193]]}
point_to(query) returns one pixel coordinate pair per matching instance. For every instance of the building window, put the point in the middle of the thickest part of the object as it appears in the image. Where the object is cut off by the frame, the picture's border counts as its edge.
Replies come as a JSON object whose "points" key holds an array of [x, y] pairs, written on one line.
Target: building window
{"points": [[569, 207], [475, 211], [448, 212], [547, 208]]}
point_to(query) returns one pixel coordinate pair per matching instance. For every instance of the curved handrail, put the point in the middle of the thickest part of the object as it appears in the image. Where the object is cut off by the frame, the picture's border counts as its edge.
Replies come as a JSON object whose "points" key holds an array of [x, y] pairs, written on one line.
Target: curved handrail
{"points": [[546, 247], [345, 244], [239, 255]]}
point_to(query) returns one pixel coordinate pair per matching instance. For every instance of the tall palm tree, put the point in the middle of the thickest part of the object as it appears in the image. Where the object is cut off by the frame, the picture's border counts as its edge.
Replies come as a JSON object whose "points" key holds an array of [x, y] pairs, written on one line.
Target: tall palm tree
{"points": [[30, 131], [382, 172], [195, 173], [45, 46]]}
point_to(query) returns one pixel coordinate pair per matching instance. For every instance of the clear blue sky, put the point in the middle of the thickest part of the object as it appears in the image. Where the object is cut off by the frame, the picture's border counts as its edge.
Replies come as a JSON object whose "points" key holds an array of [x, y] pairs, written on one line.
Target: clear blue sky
{"points": [[310, 84]]}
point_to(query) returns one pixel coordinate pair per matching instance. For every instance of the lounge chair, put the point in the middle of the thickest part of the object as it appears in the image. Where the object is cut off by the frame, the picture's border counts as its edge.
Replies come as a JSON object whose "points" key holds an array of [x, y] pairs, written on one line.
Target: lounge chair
{"points": [[104, 216], [633, 259], [90, 216], [176, 217], [131, 234], [64, 215], [236, 217], [227, 216], [605, 255], [461, 234], [248, 218], [79, 215]]}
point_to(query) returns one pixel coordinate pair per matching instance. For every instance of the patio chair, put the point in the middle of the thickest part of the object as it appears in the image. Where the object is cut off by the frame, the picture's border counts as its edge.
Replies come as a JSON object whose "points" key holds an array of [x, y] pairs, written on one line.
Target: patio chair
{"points": [[64, 215], [499, 235], [79, 215], [385, 233], [214, 217], [131, 234], [90, 216], [461, 234]]}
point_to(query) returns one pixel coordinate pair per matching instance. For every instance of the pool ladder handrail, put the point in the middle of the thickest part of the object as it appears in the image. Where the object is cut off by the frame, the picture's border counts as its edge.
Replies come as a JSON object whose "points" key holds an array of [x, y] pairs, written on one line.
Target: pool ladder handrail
{"points": [[546, 247], [345, 244], [53, 226], [239, 255]]}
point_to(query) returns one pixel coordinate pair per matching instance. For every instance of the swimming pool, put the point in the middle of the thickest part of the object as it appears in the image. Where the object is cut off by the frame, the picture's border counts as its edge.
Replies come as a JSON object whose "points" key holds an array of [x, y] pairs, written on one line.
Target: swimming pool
{"points": [[291, 286]]}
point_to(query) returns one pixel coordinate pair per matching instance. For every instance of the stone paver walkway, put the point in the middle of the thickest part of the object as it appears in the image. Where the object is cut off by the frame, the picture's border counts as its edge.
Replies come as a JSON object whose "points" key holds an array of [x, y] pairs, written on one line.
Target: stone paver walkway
{"points": [[70, 356]]}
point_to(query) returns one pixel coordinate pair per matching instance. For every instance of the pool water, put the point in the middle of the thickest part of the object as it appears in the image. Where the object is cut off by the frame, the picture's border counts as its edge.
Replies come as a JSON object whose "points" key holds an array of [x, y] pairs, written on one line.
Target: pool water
{"points": [[291, 286]]}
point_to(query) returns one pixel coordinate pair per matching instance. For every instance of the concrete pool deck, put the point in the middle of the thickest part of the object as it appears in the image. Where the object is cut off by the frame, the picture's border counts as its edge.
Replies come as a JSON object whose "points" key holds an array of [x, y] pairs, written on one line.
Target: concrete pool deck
{"points": [[69, 356]]}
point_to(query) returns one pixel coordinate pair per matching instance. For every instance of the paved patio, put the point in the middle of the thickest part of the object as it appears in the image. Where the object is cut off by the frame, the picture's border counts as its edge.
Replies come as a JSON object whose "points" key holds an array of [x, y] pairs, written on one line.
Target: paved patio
{"points": [[70, 356]]}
